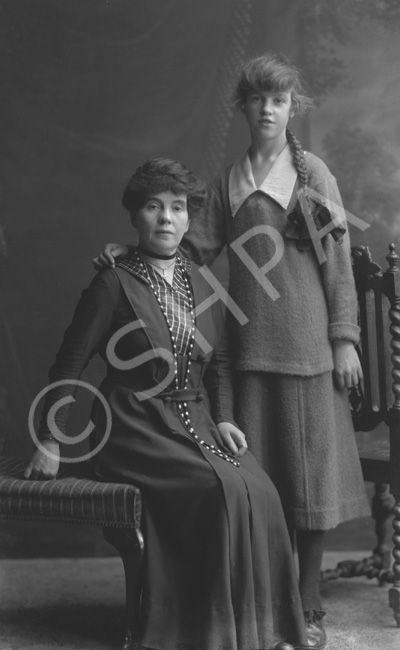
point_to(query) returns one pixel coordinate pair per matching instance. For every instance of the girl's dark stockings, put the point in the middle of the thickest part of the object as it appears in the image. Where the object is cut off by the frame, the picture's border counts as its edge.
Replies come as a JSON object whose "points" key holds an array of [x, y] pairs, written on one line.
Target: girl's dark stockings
{"points": [[310, 547]]}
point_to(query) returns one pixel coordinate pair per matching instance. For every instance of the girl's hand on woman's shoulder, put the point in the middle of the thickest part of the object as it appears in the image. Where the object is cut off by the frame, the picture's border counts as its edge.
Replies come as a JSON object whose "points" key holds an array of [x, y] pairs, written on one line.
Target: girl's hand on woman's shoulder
{"points": [[42, 466], [346, 364], [108, 255], [233, 438]]}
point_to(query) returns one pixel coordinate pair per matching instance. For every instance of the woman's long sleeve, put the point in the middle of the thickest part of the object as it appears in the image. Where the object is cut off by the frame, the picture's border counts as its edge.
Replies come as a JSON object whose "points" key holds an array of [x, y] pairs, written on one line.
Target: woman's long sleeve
{"points": [[218, 382], [85, 336]]}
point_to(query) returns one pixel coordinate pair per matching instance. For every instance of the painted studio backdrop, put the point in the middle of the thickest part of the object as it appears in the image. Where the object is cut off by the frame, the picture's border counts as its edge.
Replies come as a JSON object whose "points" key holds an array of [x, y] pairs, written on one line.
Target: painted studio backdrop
{"points": [[91, 88]]}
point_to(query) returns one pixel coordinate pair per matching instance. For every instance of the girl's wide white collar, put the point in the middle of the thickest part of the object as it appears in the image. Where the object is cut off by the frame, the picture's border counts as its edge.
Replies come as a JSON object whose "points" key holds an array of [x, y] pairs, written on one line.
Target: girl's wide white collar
{"points": [[278, 184]]}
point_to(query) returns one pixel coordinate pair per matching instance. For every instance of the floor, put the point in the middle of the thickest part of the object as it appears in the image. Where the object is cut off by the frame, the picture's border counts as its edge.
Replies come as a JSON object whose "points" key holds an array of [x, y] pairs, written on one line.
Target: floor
{"points": [[77, 604]]}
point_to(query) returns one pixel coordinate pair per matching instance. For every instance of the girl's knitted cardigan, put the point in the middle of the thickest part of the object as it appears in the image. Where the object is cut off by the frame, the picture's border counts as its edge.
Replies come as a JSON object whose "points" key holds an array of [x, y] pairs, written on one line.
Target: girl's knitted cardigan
{"points": [[304, 305]]}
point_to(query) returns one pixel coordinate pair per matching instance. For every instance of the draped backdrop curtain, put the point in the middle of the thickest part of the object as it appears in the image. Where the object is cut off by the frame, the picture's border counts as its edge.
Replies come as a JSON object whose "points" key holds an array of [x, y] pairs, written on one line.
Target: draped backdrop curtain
{"points": [[92, 88]]}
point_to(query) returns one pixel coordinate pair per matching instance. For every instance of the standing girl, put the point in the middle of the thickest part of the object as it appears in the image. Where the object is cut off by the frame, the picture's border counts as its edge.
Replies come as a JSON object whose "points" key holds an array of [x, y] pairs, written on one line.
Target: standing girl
{"points": [[295, 356]]}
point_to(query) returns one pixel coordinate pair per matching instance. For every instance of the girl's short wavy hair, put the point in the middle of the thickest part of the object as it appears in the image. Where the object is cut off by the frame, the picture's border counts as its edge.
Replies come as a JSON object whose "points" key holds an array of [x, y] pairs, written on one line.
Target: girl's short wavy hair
{"points": [[272, 72], [163, 175]]}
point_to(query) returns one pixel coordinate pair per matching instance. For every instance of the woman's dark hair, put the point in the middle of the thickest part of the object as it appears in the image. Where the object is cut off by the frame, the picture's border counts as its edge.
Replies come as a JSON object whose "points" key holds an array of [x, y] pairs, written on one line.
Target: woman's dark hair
{"points": [[272, 72], [163, 175]]}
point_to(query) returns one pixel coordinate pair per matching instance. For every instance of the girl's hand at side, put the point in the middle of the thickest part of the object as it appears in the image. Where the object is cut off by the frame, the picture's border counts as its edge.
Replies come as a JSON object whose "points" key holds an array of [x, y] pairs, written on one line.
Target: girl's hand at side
{"points": [[233, 438], [109, 254], [346, 364], [42, 467]]}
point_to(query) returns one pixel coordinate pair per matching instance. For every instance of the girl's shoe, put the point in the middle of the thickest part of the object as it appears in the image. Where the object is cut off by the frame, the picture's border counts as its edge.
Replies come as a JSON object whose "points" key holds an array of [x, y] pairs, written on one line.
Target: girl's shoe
{"points": [[316, 635]]}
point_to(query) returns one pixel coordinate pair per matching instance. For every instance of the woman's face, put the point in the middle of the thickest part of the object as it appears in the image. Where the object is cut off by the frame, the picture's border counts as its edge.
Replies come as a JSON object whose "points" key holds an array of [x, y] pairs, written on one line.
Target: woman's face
{"points": [[161, 222], [267, 113]]}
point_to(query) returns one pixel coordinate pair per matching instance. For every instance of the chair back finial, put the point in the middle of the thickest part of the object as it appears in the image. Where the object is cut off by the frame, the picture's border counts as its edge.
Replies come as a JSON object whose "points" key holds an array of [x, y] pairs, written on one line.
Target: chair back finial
{"points": [[392, 259]]}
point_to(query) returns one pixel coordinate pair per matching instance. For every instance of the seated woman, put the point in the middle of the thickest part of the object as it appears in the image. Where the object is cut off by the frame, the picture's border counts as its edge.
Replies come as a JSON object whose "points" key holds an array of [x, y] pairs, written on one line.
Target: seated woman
{"points": [[218, 568]]}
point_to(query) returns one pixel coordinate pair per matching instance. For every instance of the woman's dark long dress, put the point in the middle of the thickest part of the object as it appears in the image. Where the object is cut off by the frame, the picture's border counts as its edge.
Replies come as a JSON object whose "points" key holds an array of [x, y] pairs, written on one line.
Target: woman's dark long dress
{"points": [[218, 568]]}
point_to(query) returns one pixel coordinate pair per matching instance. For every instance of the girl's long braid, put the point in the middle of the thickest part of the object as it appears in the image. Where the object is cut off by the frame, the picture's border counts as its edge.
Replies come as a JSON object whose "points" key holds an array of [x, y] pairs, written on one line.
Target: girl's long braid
{"points": [[300, 164], [298, 158], [304, 195]]}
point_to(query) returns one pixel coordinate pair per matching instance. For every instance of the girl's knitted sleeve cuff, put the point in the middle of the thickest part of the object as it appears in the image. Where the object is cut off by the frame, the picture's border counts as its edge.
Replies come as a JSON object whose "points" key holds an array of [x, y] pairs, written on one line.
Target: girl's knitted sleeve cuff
{"points": [[346, 331]]}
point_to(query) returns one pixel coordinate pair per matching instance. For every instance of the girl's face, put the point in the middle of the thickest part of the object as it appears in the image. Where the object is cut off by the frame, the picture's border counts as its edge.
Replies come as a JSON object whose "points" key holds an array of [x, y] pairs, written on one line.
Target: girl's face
{"points": [[267, 113], [161, 222]]}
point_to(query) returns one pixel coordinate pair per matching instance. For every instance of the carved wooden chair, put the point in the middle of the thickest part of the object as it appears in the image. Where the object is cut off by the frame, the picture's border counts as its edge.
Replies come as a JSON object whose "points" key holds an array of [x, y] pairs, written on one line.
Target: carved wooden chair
{"points": [[376, 415], [74, 498]]}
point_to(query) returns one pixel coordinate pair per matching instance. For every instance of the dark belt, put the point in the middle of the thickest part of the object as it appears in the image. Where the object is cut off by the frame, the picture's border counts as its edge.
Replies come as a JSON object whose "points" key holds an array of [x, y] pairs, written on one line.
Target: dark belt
{"points": [[182, 395], [176, 395]]}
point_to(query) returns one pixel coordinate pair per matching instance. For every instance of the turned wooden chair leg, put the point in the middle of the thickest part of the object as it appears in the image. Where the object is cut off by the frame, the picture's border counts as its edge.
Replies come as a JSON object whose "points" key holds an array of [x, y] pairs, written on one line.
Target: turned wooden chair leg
{"points": [[130, 545], [394, 591], [382, 512], [392, 290]]}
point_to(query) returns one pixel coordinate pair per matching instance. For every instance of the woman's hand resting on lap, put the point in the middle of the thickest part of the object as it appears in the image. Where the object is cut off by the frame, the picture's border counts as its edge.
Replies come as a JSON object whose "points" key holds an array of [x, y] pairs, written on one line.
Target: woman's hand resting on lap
{"points": [[233, 438], [107, 257], [43, 467], [346, 364]]}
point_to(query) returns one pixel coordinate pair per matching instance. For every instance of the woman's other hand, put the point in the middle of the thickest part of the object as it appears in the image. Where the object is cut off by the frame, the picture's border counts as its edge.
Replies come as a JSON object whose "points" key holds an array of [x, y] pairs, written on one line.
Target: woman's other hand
{"points": [[346, 364], [233, 438], [109, 254], [43, 467]]}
